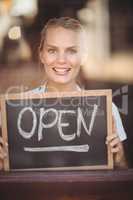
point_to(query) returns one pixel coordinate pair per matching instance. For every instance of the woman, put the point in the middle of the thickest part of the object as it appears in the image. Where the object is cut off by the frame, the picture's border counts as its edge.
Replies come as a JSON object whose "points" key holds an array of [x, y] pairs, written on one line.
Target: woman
{"points": [[62, 49]]}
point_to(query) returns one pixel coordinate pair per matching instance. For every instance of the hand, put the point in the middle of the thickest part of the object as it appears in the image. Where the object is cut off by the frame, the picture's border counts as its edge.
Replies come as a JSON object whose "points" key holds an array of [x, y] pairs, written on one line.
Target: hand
{"points": [[3, 152], [116, 148]]}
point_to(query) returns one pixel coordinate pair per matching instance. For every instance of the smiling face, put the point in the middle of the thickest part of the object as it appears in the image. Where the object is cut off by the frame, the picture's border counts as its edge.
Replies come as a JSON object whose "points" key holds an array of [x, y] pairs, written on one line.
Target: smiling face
{"points": [[61, 55]]}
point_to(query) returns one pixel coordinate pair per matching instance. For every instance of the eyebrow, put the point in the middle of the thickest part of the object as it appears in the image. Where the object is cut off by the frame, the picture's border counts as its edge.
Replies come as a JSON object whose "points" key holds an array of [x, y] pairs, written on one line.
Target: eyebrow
{"points": [[54, 46]]}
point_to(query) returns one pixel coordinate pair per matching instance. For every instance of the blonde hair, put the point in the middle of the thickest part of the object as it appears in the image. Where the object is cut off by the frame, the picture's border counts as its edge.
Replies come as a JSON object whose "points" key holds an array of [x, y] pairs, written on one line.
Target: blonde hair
{"points": [[65, 22]]}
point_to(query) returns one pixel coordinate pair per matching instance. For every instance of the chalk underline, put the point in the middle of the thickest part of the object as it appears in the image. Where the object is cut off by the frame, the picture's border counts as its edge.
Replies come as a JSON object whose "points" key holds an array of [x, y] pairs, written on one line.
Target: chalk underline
{"points": [[77, 148]]}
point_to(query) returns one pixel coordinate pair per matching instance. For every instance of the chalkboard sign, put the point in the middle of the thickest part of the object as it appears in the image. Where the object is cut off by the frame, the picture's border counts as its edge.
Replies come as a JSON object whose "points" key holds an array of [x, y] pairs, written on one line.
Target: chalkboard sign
{"points": [[55, 132]]}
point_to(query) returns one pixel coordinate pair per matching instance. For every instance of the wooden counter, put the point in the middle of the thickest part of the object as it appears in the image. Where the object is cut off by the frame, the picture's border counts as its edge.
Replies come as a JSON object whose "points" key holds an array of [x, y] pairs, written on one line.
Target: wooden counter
{"points": [[75, 185]]}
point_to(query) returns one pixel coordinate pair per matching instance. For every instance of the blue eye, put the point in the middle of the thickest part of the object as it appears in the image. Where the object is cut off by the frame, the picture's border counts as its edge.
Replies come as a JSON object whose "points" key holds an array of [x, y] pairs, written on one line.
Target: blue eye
{"points": [[51, 51], [72, 51]]}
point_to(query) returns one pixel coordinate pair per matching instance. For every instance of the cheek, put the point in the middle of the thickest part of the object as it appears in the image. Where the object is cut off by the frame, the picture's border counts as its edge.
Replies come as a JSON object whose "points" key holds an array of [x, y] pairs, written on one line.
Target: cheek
{"points": [[48, 60], [76, 61]]}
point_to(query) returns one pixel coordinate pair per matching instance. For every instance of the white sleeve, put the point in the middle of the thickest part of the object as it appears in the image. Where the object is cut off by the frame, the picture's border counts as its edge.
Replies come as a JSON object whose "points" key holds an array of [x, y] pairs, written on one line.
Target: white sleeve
{"points": [[119, 126]]}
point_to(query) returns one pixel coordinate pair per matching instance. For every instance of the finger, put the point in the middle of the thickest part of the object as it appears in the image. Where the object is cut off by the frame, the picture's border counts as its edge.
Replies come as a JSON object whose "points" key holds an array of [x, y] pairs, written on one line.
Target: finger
{"points": [[1, 141], [3, 156], [5, 144], [1, 165], [115, 142], [3, 153], [111, 137], [115, 150]]}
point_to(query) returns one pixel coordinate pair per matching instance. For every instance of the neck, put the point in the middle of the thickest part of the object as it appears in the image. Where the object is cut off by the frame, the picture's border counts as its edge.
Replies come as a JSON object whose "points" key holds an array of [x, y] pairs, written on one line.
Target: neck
{"points": [[55, 87]]}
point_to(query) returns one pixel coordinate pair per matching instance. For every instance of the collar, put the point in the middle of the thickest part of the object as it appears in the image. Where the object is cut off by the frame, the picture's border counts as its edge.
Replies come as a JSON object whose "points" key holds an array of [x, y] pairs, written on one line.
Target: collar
{"points": [[43, 87]]}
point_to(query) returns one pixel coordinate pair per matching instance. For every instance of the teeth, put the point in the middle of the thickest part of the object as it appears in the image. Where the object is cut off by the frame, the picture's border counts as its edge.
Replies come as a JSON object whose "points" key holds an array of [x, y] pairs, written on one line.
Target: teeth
{"points": [[61, 70]]}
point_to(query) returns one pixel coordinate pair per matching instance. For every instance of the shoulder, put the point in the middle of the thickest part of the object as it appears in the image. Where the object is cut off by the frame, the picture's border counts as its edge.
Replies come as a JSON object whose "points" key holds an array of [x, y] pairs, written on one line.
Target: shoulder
{"points": [[38, 90]]}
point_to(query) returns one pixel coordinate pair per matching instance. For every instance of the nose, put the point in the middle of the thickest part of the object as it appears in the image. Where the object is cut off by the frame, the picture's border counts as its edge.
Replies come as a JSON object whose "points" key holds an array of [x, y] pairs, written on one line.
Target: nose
{"points": [[61, 59]]}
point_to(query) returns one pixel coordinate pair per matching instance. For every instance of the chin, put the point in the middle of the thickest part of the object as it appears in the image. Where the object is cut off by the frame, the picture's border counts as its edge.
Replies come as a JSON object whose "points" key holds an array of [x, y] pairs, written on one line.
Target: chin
{"points": [[63, 82]]}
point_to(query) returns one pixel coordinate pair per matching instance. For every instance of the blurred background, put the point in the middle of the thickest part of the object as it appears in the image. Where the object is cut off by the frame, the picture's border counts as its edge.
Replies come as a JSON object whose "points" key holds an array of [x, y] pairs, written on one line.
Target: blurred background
{"points": [[109, 26]]}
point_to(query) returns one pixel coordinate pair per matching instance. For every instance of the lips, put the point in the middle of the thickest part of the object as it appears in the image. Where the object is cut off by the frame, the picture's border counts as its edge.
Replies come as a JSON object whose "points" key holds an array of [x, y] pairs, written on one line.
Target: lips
{"points": [[61, 71]]}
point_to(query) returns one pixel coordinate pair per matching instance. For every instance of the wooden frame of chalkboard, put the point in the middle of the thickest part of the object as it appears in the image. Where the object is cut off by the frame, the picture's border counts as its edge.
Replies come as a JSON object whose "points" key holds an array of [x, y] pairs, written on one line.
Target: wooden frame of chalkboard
{"points": [[57, 150]]}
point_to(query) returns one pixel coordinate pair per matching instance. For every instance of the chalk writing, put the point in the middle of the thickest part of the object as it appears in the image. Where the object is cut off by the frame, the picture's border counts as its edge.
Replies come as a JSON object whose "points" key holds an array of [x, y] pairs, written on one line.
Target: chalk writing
{"points": [[58, 117], [77, 148], [25, 134]]}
